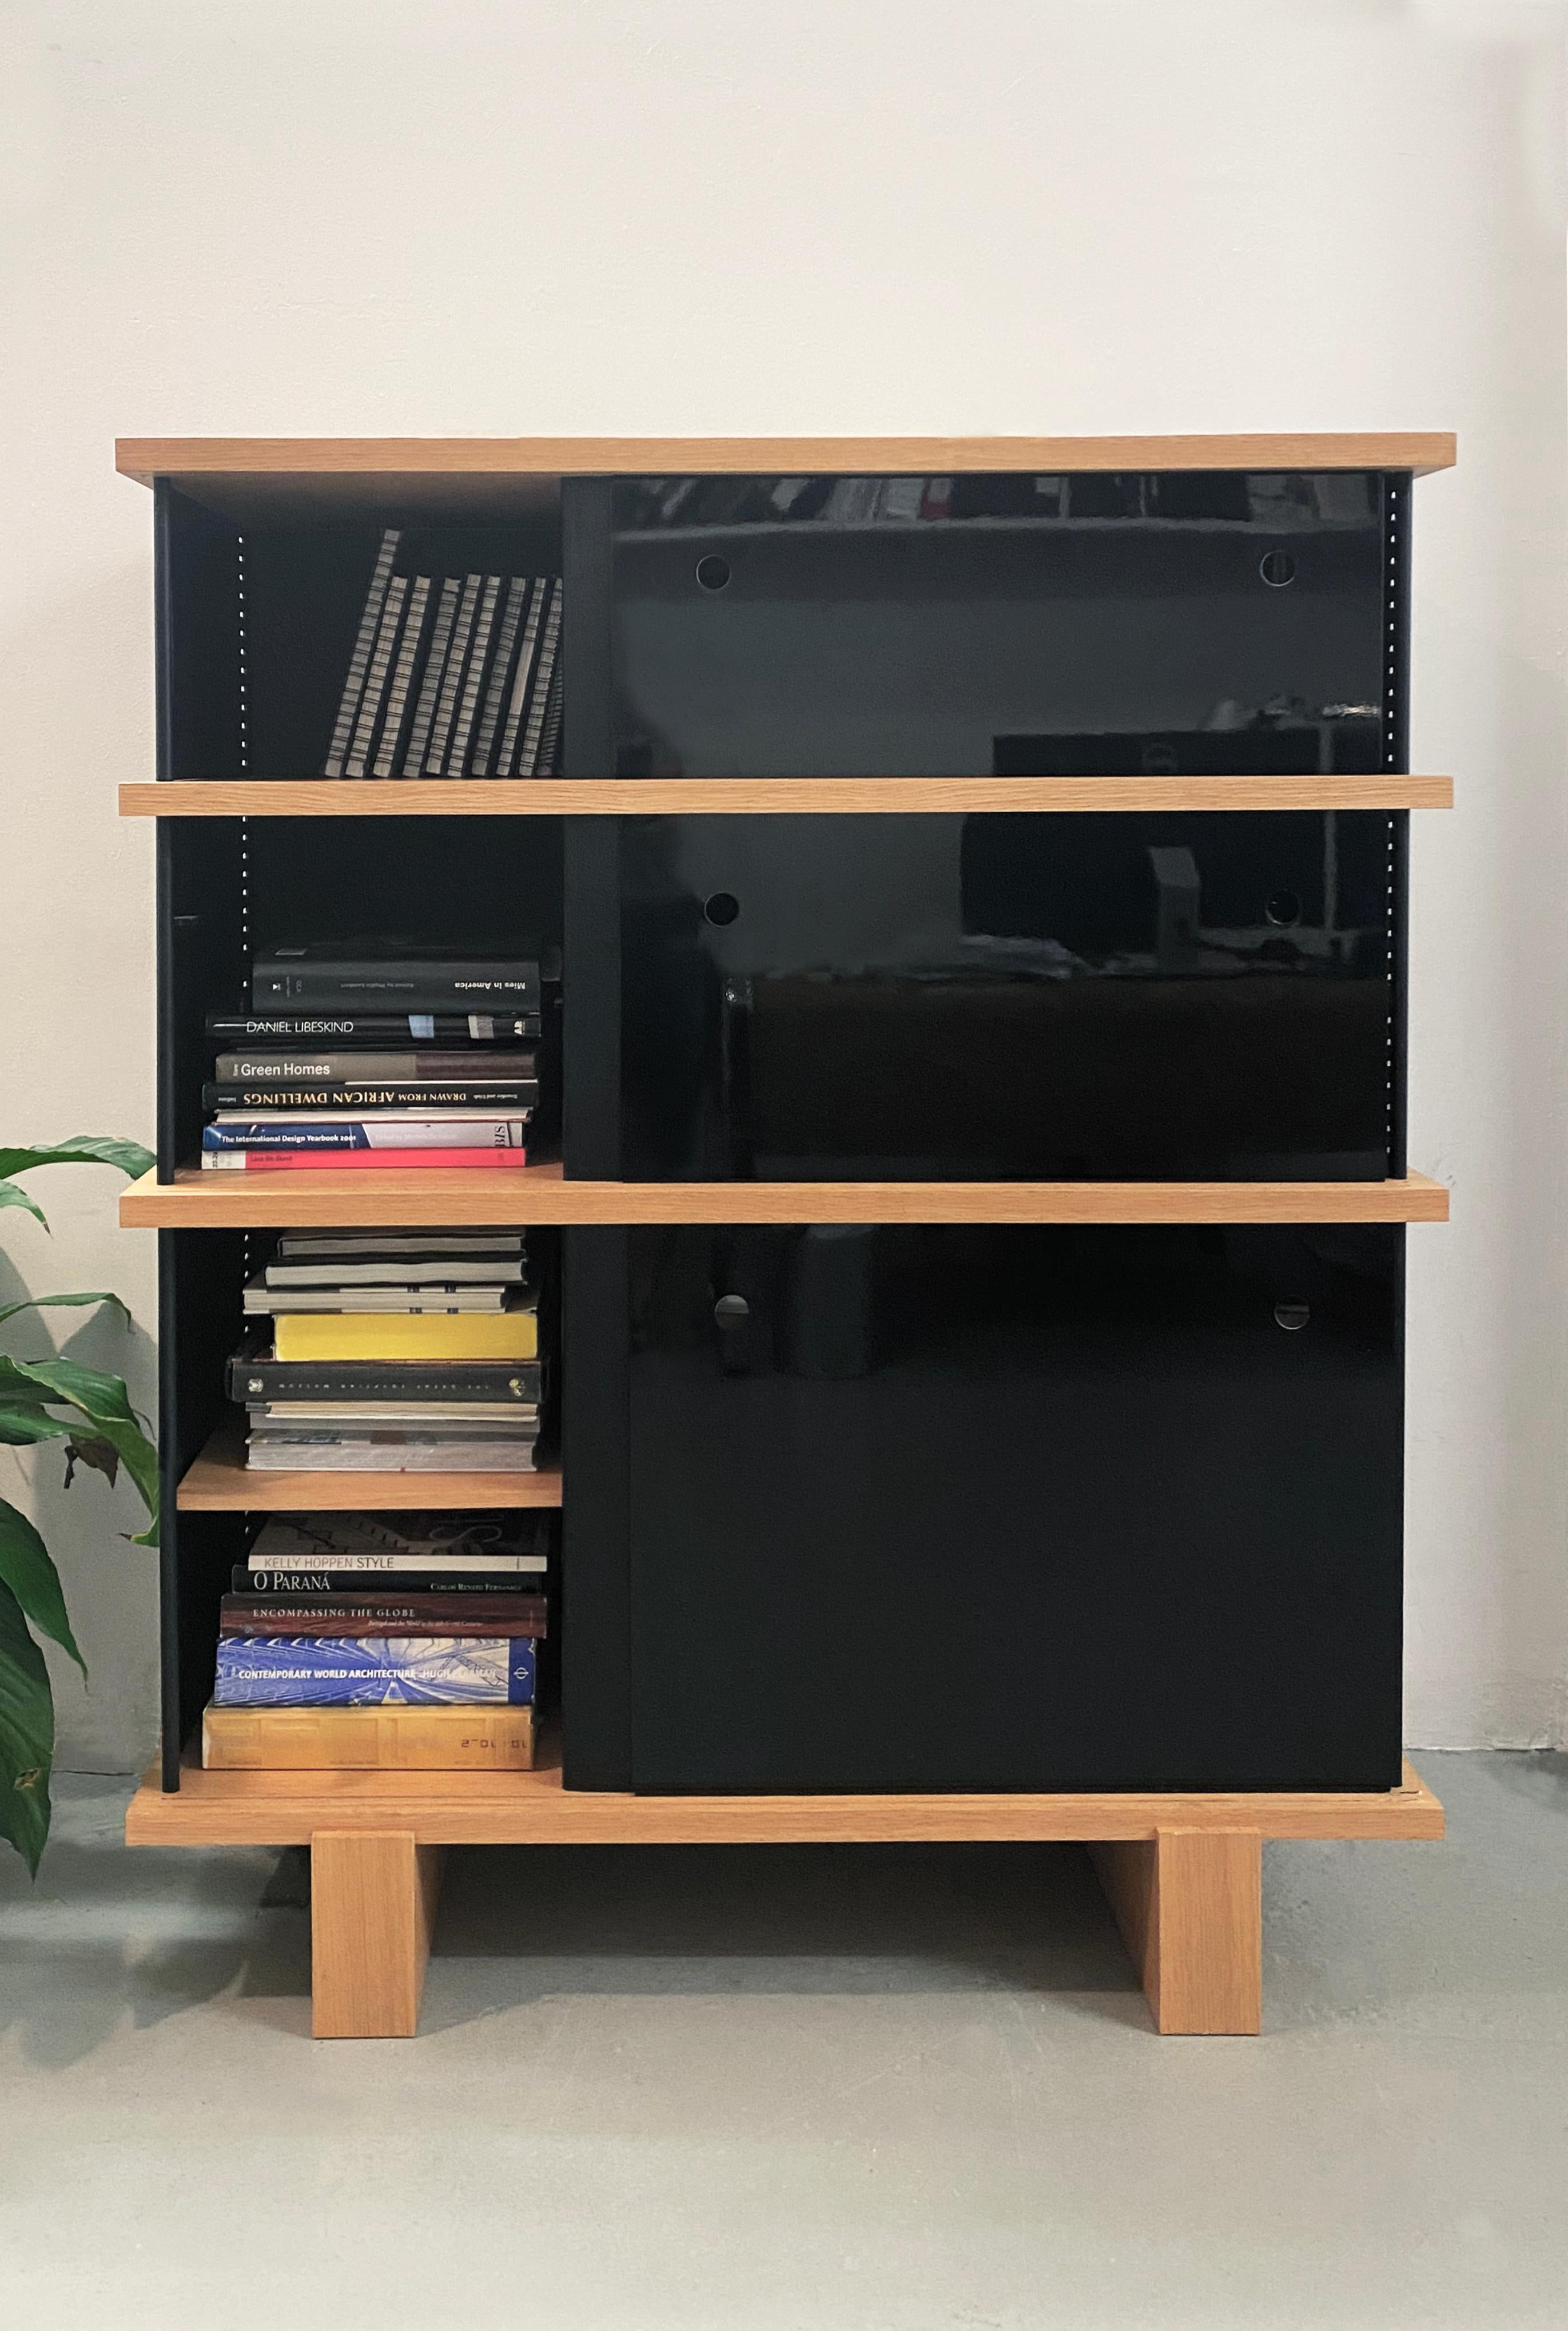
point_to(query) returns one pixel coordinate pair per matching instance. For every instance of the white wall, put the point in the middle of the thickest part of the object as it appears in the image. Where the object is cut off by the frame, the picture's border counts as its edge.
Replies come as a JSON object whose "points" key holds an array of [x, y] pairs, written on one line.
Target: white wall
{"points": [[435, 216]]}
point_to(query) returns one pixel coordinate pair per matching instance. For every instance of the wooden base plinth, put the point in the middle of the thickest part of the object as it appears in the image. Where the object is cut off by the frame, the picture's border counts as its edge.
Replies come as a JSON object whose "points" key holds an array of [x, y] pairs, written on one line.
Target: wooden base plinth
{"points": [[1190, 1907], [373, 1897], [1183, 1872]]}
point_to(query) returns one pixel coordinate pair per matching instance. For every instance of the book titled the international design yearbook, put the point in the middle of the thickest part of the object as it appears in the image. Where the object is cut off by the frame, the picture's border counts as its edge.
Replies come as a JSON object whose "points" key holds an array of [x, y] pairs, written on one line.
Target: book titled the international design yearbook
{"points": [[375, 1670]]}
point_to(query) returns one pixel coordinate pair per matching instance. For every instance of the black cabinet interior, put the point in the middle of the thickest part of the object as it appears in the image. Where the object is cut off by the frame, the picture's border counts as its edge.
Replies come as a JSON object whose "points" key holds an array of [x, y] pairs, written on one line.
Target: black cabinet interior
{"points": [[1013, 1508]]}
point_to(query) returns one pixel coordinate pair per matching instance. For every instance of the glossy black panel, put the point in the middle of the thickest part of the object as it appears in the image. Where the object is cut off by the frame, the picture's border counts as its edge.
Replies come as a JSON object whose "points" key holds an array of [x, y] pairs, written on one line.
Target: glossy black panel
{"points": [[909, 626], [1184, 996], [1014, 1508]]}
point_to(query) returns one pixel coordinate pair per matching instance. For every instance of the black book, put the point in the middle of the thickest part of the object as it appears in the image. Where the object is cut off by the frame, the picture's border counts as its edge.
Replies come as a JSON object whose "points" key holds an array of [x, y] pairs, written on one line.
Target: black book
{"points": [[460, 1028], [380, 672], [256, 1375], [409, 1098], [380, 976], [359, 662], [245, 1581], [400, 700]]}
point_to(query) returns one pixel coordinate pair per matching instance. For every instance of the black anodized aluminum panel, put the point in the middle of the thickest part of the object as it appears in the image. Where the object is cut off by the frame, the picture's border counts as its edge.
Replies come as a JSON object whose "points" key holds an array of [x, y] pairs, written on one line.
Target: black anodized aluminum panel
{"points": [[1186, 996], [1015, 1508]]}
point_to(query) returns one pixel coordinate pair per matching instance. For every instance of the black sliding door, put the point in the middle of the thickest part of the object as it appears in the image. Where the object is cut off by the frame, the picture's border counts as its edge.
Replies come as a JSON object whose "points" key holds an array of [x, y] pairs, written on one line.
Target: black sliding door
{"points": [[1007, 1507]]}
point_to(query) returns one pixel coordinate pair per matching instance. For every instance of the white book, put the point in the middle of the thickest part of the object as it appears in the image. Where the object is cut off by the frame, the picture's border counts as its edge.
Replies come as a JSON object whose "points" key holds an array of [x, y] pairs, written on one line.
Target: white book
{"points": [[469, 702], [483, 1566], [400, 1270], [370, 703], [486, 1420], [364, 645], [434, 671], [451, 678], [401, 696], [505, 751], [538, 697], [481, 1242], [517, 590]]}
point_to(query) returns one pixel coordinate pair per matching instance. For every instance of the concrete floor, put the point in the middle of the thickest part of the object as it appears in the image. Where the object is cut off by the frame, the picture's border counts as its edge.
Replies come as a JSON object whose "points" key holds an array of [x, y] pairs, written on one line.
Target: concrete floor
{"points": [[849, 2089]]}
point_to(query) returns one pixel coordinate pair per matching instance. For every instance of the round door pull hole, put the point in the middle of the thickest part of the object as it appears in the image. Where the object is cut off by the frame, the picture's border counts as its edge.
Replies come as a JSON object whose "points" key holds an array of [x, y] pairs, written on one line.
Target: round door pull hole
{"points": [[732, 1311], [1275, 566], [713, 572], [1292, 1316], [722, 908], [1284, 908]]}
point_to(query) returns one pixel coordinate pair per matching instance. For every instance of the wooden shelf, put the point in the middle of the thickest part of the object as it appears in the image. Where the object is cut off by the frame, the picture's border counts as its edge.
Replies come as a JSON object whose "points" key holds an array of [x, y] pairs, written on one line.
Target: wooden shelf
{"points": [[387, 459], [534, 1809], [765, 796], [220, 1482], [425, 1198]]}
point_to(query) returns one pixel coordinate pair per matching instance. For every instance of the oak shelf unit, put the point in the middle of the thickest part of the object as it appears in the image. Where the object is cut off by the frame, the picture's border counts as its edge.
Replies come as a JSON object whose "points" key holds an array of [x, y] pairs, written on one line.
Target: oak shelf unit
{"points": [[1181, 1867], [769, 797], [196, 1200]]}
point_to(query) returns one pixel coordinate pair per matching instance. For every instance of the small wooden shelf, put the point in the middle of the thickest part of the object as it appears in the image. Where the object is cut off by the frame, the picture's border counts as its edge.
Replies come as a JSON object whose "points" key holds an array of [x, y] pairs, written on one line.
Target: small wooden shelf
{"points": [[220, 1482], [191, 461], [765, 796], [425, 1198], [534, 1809]]}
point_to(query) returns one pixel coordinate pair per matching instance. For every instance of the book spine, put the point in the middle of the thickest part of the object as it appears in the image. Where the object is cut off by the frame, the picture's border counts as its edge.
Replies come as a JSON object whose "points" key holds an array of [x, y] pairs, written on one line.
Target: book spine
{"points": [[359, 662], [500, 671], [506, 750], [461, 1030], [453, 987], [434, 671], [360, 1625], [451, 679], [498, 1383], [368, 1614], [515, 1097], [261, 1161], [370, 703], [498, 1739], [550, 738], [264, 1579], [468, 703], [528, 757], [309, 1066], [369, 1133], [402, 695]]}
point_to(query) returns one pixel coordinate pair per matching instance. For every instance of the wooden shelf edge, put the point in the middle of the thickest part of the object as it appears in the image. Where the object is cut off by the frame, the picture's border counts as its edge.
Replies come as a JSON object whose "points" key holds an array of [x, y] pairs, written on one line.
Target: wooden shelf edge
{"points": [[198, 1201], [769, 797], [147, 458], [219, 1481], [534, 1809]]}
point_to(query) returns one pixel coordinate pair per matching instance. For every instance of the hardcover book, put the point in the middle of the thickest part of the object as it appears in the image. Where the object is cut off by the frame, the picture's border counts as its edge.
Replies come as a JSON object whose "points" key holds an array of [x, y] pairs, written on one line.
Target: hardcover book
{"points": [[496, 1739], [359, 1672], [258, 1375]]}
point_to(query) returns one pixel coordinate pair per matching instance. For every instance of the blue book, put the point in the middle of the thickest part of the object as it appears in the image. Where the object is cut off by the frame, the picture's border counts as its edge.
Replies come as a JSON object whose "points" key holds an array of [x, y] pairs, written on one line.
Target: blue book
{"points": [[375, 1671]]}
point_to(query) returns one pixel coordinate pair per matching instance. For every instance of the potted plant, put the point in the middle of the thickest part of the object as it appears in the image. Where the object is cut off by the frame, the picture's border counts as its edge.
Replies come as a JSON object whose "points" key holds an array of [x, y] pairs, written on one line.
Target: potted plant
{"points": [[53, 1400]]}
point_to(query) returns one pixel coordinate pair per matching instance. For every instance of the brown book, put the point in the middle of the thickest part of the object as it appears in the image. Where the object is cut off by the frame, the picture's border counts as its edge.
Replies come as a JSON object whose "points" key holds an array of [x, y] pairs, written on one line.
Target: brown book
{"points": [[367, 1739], [366, 1622], [381, 1614]]}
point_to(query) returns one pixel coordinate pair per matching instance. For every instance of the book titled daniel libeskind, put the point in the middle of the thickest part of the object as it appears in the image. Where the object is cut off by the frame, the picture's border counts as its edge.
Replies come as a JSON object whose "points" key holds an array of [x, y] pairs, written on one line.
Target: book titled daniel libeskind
{"points": [[375, 1670]]}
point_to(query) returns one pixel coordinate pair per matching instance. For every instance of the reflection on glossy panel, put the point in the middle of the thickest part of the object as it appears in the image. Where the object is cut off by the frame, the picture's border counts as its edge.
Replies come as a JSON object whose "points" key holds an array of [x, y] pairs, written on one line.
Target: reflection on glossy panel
{"points": [[1081, 624], [1180, 996], [1015, 1508]]}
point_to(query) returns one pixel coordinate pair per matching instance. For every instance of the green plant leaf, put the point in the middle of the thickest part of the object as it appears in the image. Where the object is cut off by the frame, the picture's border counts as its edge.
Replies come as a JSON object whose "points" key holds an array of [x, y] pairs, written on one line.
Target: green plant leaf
{"points": [[40, 1302], [10, 1195], [26, 1735], [105, 1402], [81, 1149], [22, 1421], [27, 1568]]}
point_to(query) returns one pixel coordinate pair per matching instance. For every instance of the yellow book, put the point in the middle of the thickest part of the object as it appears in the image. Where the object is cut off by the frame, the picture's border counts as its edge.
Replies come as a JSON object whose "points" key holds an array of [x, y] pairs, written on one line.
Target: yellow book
{"points": [[367, 1739], [405, 1336]]}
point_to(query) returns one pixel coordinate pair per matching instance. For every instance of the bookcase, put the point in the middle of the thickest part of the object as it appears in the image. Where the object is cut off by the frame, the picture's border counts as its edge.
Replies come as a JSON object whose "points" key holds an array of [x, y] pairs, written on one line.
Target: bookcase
{"points": [[979, 884]]}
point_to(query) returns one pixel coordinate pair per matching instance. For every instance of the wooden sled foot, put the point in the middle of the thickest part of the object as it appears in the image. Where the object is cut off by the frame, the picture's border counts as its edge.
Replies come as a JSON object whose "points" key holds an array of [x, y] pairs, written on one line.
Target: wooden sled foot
{"points": [[1189, 1905], [373, 1899]]}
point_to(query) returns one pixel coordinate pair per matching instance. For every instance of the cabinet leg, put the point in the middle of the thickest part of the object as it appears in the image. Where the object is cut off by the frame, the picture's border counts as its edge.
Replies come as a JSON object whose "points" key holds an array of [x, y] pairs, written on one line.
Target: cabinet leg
{"points": [[372, 1900], [1189, 1905]]}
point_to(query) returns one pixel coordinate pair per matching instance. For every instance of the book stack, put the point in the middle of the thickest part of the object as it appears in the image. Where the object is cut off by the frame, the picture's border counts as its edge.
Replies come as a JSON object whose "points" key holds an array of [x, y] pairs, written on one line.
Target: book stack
{"points": [[392, 1352], [369, 1640], [374, 1053], [450, 676]]}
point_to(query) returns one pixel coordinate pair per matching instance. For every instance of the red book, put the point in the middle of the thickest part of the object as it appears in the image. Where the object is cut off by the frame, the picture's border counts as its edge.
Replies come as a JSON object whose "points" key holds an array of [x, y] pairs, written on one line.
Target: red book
{"points": [[359, 1161]]}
